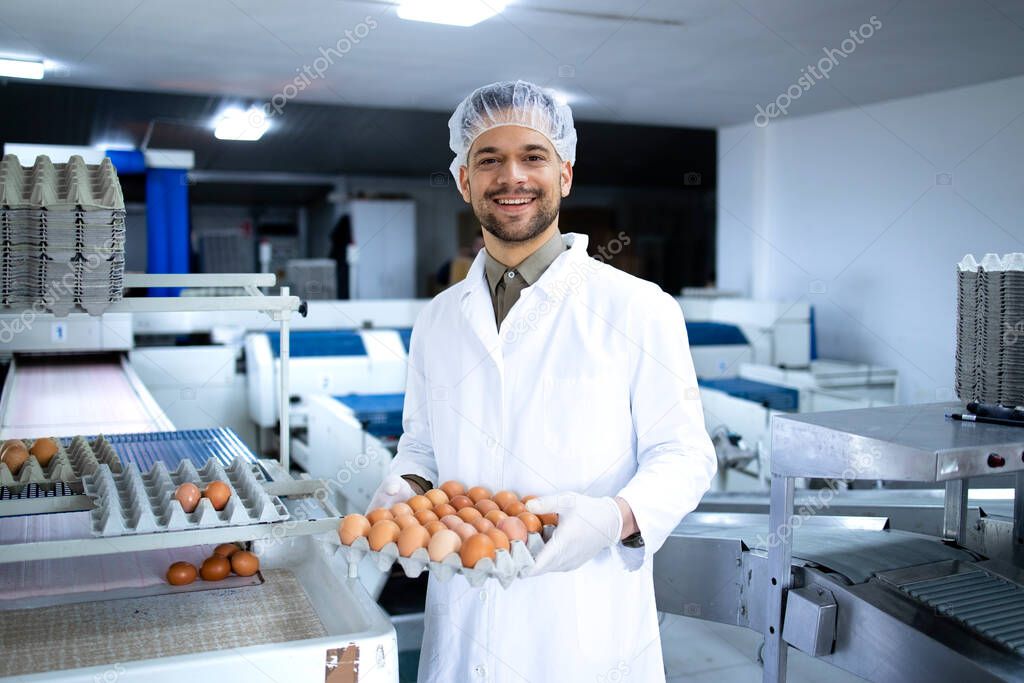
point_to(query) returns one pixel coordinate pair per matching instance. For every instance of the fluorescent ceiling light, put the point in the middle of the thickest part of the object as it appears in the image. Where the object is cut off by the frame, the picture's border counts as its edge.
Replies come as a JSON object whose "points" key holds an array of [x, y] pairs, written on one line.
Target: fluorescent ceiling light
{"points": [[236, 124], [452, 12], [19, 68]]}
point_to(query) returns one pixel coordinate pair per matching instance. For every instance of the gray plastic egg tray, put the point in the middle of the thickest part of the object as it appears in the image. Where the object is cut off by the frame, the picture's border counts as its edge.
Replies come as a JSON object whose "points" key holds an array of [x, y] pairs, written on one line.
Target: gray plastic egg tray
{"points": [[135, 503], [506, 567], [68, 465]]}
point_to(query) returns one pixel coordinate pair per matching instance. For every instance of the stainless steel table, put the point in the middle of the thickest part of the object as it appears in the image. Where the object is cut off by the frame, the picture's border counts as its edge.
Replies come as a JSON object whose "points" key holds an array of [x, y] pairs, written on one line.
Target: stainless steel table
{"points": [[898, 443]]}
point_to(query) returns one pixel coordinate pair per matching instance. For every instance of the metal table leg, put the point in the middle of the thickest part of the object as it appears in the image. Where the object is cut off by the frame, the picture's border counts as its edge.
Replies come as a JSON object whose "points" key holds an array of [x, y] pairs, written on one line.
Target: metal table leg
{"points": [[1018, 521], [954, 519], [780, 553]]}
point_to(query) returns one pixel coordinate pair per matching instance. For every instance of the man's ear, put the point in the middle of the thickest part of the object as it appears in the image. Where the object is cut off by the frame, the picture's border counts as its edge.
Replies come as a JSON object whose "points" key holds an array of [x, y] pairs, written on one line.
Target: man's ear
{"points": [[566, 180], [464, 183]]}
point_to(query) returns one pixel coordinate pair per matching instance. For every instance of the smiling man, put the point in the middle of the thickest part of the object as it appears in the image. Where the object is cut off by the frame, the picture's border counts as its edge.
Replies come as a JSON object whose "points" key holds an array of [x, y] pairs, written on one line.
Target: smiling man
{"points": [[546, 372]]}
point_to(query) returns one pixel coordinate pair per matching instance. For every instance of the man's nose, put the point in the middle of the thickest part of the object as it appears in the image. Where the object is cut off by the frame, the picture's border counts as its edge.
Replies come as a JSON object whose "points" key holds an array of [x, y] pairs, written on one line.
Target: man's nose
{"points": [[513, 172]]}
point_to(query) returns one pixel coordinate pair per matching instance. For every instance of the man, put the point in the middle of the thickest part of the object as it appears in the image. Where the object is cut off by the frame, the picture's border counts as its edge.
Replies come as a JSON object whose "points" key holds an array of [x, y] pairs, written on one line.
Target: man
{"points": [[546, 372]]}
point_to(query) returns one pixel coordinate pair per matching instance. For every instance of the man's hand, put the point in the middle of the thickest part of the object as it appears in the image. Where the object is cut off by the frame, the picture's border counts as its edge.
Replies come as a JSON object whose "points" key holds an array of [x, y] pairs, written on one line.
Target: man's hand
{"points": [[392, 490], [586, 526]]}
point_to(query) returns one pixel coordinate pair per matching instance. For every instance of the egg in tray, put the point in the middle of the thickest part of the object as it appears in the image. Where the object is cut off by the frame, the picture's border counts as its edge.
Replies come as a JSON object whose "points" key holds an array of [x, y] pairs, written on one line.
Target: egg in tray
{"points": [[46, 460], [162, 500], [450, 530]]}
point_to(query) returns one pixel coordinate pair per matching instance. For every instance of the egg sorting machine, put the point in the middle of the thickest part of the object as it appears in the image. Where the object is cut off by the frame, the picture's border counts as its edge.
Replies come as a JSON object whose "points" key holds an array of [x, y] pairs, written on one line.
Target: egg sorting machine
{"points": [[882, 603], [82, 607]]}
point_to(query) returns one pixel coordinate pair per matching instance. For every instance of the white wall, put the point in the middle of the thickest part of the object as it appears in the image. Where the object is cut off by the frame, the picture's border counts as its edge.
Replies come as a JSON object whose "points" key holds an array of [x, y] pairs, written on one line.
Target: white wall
{"points": [[852, 211]]}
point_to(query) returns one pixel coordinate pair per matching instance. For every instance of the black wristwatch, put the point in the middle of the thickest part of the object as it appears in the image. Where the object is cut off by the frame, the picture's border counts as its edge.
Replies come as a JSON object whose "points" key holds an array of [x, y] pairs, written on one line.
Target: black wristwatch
{"points": [[634, 540], [418, 481]]}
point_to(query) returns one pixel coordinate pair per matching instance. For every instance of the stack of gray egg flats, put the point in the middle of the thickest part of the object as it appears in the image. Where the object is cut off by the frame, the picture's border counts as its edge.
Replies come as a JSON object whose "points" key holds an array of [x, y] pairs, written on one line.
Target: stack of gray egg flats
{"points": [[62, 235], [990, 330]]}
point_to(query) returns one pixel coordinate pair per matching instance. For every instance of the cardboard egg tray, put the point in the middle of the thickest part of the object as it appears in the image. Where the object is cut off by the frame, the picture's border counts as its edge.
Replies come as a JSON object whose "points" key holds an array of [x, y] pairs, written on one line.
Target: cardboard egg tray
{"points": [[68, 465], [506, 566], [135, 503]]}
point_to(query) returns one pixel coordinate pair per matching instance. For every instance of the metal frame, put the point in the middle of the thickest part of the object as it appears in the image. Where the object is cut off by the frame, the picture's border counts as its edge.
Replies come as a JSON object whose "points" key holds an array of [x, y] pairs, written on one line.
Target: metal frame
{"points": [[903, 443], [279, 308]]}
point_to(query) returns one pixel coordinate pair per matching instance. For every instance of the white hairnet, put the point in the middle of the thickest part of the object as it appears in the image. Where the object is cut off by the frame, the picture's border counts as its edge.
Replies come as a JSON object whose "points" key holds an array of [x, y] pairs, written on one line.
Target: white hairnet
{"points": [[510, 103]]}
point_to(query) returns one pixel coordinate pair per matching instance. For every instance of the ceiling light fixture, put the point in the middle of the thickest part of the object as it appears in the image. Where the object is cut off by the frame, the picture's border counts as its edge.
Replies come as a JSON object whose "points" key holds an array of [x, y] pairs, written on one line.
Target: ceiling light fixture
{"points": [[20, 68], [451, 12], [237, 124]]}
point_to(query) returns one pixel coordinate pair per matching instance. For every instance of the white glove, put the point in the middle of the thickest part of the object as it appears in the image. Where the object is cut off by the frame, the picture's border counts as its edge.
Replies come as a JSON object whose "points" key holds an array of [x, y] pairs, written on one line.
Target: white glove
{"points": [[392, 490], [586, 526]]}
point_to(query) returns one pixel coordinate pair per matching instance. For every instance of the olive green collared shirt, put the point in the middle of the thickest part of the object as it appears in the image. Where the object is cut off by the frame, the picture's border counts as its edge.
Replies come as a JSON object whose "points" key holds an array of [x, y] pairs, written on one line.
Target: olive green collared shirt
{"points": [[506, 284]]}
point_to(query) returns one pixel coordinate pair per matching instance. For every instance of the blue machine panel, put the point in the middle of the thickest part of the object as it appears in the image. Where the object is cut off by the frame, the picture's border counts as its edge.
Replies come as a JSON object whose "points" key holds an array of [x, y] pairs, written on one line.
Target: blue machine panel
{"points": [[406, 334], [769, 395], [316, 343], [381, 414], [714, 334]]}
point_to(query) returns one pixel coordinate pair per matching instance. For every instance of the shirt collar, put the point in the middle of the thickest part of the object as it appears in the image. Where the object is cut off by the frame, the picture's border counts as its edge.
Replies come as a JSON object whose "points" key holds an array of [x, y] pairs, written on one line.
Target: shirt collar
{"points": [[530, 269]]}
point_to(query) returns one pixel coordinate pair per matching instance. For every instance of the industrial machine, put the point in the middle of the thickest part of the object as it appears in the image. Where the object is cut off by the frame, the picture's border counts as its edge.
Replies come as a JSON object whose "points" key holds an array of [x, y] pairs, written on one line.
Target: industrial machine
{"points": [[84, 600], [828, 571]]}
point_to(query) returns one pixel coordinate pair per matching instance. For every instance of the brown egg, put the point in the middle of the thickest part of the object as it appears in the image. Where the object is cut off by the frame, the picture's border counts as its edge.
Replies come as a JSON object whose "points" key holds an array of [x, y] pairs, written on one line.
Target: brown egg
{"points": [[514, 528], [549, 518], [406, 521], [514, 509], [377, 515], [412, 539], [444, 509], [451, 521], [503, 498], [476, 548], [399, 509], [459, 502], [482, 525], [383, 532], [14, 455], [434, 527], [181, 574], [478, 493], [465, 530], [442, 544], [352, 527], [418, 503], [226, 549], [495, 516], [215, 568], [424, 516], [188, 496], [469, 514], [499, 538], [44, 450], [531, 521], [452, 488], [218, 492], [436, 496], [245, 563], [527, 499], [486, 505]]}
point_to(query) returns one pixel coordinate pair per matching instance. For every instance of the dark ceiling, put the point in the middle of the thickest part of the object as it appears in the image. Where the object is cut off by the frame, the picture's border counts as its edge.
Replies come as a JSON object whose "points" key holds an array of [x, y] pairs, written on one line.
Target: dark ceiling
{"points": [[314, 138]]}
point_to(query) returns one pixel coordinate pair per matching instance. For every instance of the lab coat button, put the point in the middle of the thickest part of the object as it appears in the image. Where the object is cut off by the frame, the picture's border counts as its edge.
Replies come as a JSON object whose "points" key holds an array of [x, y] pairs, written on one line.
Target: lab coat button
{"points": [[480, 671], [511, 274], [483, 596]]}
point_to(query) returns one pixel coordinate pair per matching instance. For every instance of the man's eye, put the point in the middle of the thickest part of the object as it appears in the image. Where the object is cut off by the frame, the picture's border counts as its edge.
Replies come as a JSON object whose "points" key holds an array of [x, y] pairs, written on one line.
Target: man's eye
{"points": [[535, 157], [485, 162]]}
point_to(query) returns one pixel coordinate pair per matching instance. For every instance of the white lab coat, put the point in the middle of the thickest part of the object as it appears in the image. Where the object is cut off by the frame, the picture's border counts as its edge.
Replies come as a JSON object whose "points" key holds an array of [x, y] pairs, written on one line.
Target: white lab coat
{"points": [[588, 386]]}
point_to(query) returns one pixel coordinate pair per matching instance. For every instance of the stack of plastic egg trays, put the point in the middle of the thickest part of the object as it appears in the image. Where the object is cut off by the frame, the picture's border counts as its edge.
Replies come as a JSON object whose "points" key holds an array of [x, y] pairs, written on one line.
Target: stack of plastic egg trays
{"points": [[63, 233], [135, 503]]}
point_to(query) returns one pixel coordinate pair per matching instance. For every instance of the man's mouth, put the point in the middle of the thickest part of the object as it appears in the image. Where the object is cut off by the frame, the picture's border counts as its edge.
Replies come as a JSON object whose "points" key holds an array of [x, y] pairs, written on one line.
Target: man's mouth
{"points": [[513, 204]]}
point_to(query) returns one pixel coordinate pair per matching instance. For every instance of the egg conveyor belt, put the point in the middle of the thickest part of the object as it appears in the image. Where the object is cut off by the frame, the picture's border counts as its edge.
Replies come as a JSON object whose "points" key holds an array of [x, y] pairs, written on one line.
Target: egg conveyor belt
{"points": [[506, 566], [135, 503], [69, 464]]}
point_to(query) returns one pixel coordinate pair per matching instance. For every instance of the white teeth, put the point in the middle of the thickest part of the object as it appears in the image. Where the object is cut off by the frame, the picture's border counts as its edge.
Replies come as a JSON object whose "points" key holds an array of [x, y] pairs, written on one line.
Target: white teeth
{"points": [[514, 201]]}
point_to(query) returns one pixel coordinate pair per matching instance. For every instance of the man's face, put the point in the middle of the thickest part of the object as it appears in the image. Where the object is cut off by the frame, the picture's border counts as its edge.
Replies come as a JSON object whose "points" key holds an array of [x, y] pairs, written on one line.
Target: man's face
{"points": [[515, 182]]}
